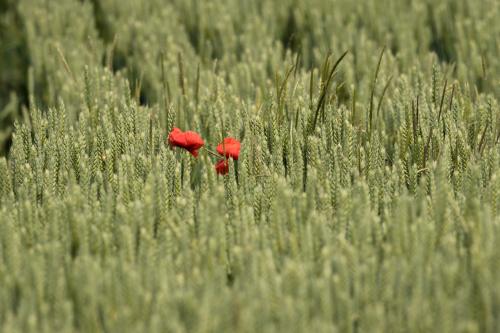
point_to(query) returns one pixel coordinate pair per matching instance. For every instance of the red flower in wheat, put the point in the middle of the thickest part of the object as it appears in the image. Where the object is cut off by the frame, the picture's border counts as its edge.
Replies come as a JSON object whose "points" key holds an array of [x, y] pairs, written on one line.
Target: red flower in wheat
{"points": [[189, 140], [230, 147], [222, 167]]}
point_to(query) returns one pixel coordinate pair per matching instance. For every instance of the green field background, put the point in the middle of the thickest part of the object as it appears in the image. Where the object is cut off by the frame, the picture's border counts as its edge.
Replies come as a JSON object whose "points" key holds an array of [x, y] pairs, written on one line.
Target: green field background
{"points": [[366, 197]]}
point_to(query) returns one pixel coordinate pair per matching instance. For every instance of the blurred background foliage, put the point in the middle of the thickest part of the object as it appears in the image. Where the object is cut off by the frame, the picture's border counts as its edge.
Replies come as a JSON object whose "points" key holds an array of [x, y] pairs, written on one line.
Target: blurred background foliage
{"points": [[248, 41]]}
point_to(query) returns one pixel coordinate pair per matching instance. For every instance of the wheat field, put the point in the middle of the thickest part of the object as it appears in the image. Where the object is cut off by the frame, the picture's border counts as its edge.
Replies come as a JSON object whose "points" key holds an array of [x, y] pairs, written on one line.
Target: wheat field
{"points": [[365, 196]]}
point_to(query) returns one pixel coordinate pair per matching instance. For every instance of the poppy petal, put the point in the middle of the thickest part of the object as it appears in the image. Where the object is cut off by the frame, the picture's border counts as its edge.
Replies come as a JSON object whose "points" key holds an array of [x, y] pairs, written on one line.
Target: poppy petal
{"points": [[222, 167], [189, 140], [229, 146]]}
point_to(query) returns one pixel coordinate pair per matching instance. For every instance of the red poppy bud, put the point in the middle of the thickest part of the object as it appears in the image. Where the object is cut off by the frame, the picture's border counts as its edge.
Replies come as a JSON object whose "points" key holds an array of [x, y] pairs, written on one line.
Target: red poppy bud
{"points": [[231, 147], [189, 140], [222, 167]]}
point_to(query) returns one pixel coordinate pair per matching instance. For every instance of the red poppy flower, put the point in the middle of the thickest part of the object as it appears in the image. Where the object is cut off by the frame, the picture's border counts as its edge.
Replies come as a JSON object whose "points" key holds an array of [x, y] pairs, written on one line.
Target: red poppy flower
{"points": [[222, 167], [231, 146], [191, 141]]}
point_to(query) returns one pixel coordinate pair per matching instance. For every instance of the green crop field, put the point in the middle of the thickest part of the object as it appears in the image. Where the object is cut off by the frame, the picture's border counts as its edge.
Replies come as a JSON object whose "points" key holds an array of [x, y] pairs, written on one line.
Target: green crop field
{"points": [[366, 193]]}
